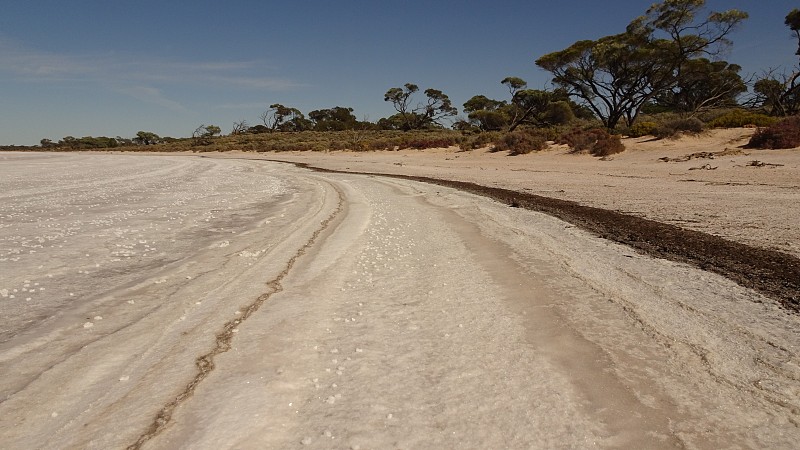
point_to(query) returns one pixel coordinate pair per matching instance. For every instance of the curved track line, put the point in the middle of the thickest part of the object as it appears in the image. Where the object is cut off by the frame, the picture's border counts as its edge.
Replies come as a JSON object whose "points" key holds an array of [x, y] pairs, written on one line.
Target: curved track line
{"points": [[205, 363], [770, 272]]}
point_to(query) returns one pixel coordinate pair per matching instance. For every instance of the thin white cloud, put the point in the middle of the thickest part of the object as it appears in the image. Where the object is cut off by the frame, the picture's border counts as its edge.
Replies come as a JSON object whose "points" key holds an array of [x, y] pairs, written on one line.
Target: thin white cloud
{"points": [[240, 106], [151, 95], [25, 64], [30, 65]]}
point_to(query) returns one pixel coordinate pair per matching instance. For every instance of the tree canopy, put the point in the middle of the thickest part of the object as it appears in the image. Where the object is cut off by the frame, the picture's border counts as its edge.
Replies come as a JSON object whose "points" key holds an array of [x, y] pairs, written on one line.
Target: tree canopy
{"points": [[793, 22], [526, 107], [426, 114], [283, 118], [615, 76], [333, 119]]}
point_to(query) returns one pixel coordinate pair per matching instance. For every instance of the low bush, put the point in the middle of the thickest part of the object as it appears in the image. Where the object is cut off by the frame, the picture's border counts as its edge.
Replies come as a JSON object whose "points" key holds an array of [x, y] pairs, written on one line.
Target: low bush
{"points": [[479, 140], [640, 129], [521, 142], [609, 145], [580, 140], [784, 134], [674, 128], [595, 141], [432, 142], [740, 118]]}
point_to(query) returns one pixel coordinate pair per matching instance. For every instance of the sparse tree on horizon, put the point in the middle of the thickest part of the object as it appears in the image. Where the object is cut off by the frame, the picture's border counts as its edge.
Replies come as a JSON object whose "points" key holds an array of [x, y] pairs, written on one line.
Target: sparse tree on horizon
{"points": [[239, 127], [526, 107], [436, 107], [145, 138], [337, 118], [283, 118]]}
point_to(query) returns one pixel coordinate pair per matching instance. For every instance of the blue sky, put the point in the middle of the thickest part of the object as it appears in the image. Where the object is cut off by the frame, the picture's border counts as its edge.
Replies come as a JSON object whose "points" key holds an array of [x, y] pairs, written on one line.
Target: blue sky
{"points": [[91, 67]]}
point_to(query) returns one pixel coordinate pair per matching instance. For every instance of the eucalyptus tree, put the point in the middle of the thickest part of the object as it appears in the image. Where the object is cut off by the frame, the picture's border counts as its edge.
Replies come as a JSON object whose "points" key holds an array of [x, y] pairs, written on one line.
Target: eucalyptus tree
{"points": [[780, 93], [283, 118], [615, 76], [422, 114]]}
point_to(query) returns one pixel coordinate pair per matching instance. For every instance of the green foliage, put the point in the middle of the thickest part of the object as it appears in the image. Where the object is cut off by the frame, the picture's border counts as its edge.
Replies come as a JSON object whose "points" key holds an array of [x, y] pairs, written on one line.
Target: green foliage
{"points": [[393, 122], [480, 140], [489, 120], [741, 118], [781, 97], [333, 119], [258, 129], [559, 113], [353, 140], [615, 76], [146, 138], [673, 128], [784, 134], [640, 129], [527, 107], [521, 142], [793, 22], [282, 118], [203, 134], [436, 107], [84, 143], [702, 85], [487, 114]]}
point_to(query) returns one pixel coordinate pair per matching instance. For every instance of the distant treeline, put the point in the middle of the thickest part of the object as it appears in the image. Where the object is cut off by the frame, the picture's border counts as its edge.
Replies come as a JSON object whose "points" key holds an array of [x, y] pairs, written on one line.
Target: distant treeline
{"points": [[660, 75]]}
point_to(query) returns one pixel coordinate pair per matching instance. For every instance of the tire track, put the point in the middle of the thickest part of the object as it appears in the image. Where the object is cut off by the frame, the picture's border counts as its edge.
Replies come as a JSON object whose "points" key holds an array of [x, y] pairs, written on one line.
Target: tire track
{"points": [[205, 363]]}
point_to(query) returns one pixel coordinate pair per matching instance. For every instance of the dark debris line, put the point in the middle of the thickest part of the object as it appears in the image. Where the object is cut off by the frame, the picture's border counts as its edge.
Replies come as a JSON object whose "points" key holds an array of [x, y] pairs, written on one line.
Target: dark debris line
{"points": [[770, 272]]}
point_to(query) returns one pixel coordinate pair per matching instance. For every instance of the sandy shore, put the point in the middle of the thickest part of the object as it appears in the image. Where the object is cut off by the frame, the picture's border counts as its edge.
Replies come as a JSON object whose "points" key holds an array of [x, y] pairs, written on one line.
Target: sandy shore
{"points": [[225, 302], [723, 195]]}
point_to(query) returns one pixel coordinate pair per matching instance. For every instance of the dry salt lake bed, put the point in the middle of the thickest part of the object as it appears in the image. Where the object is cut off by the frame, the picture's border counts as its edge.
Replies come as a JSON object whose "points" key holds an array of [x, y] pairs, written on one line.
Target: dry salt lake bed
{"points": [[187, 302]]}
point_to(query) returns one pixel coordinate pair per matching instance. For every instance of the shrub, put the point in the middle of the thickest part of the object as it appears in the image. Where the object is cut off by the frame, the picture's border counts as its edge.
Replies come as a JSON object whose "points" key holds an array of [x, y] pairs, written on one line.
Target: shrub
{"points": [[580, 140], [607, 146], [479, 140], [550, 133], [784, 134], [559, 113], [521, 142], [673, 128], [740, 118], [640, 129], [595, 141], [431, 142]]}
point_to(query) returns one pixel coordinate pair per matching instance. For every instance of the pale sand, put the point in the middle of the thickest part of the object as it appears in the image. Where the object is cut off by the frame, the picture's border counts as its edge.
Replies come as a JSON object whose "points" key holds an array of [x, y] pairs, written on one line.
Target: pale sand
{"points": [[391, 314], [753, 205]]}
